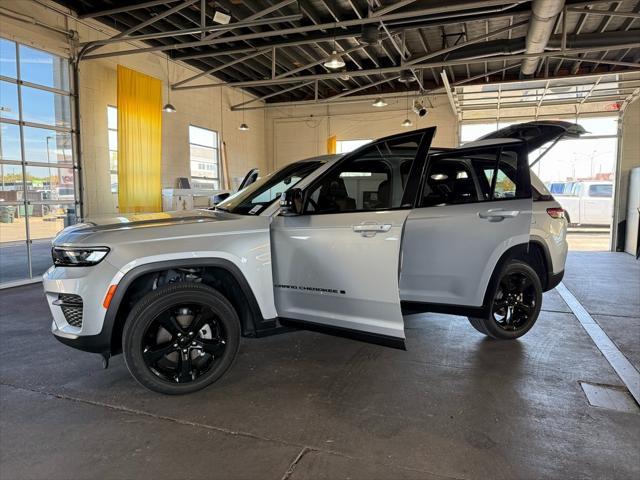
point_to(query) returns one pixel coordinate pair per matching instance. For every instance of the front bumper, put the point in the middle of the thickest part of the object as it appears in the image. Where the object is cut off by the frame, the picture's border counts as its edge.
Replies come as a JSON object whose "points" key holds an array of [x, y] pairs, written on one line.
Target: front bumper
{"points": [[91, 285]]}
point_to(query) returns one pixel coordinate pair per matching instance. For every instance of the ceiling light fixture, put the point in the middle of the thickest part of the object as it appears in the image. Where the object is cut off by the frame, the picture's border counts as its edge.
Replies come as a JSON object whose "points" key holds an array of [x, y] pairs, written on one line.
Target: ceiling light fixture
{"points": [[419, 108], [334, 61], [407, 122], [221, 17], [168, 108], [407, 76], [243, 126], [379, 102]]}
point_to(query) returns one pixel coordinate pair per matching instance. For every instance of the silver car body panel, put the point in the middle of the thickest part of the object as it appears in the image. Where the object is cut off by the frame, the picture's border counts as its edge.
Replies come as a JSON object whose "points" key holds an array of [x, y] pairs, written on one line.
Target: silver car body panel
{"points": [[239, 239], [450, 252], [317, 268], [328, 272]]}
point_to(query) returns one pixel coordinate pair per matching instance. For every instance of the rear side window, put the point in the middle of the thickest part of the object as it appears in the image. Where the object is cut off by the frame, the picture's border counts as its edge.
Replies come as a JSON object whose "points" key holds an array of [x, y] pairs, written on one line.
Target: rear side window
{"points": [[603, 190], [490, 174]]}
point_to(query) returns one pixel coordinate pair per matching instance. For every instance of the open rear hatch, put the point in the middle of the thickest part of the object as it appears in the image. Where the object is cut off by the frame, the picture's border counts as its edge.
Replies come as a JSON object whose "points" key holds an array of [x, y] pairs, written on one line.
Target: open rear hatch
{"points": [[538, 133]]}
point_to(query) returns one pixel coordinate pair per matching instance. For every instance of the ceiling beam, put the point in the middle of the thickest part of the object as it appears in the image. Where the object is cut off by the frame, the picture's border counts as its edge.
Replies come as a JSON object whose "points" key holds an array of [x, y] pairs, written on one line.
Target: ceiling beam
{"points": [[316, 27], [274, 94], [607, 13], [127, 8], [221, 67], [191, 31], [397, 68]]}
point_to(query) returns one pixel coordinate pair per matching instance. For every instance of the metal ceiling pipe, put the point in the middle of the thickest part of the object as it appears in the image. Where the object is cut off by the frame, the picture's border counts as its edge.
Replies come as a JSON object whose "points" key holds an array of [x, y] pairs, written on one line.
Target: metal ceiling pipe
{"points": [[543, 17]]}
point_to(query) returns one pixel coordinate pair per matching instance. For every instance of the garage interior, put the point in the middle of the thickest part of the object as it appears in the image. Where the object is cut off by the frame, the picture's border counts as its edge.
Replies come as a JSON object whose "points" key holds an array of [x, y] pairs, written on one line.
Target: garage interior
{"points": [[245, 85]]}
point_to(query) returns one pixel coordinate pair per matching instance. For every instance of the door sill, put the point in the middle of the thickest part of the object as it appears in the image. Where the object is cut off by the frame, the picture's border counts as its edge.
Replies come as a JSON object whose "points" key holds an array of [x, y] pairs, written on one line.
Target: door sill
{"points": [[376, 338]]}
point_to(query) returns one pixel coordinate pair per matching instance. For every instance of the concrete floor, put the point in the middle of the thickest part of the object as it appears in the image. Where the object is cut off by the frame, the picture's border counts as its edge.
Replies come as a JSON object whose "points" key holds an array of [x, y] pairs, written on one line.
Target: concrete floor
{"points": [[306, 405]]}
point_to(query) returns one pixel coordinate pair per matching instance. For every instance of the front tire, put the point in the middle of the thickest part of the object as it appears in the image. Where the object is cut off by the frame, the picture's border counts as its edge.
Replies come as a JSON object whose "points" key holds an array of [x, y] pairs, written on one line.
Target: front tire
{"points": [[515, 305], [180, 338]]}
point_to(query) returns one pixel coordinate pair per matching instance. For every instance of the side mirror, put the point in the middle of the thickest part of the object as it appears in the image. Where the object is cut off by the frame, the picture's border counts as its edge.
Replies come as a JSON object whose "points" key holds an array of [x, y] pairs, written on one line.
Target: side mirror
{"points": [[219, 197], [291, 202]]}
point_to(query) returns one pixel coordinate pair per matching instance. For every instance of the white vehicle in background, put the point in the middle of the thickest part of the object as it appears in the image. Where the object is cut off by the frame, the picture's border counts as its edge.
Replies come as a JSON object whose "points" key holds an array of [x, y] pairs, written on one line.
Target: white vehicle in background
{"points": [[588, 203]]}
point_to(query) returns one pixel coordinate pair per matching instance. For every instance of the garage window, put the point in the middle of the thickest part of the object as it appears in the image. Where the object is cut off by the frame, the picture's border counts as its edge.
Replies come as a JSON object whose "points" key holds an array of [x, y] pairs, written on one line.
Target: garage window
{"points": [[38, 172], [346, 146], [112, 126], [203, 151]]}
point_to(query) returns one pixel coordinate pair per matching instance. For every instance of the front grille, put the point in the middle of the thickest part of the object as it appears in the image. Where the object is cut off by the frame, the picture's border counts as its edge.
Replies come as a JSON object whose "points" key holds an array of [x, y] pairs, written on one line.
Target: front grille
{"points": [[71, 308]]}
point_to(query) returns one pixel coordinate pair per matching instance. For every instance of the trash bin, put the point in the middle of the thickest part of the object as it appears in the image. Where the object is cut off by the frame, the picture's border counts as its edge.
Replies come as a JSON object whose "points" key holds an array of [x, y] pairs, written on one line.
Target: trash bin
{"points": [[6, 214], [29, 210], [70, 218]]}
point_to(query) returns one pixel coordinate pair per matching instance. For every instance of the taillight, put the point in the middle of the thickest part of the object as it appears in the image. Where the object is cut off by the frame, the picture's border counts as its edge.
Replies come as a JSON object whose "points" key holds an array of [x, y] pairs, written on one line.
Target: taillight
{"points": [[556, 212]]}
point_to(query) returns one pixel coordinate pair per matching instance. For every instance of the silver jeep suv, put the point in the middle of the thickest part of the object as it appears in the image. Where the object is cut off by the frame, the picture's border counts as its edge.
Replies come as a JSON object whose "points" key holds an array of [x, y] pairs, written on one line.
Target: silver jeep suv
{"points": [[345, 244]]}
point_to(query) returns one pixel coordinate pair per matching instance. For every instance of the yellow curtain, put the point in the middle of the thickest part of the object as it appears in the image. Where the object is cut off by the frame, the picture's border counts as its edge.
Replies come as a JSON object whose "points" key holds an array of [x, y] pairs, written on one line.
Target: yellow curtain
{"points": [[331, 144], [139, 142]]}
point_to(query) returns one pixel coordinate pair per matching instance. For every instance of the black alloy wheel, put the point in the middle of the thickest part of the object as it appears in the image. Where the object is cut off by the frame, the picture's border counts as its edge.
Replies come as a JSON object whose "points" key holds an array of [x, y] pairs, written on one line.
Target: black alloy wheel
{"points": [[515, 306], [183, 342], [180, 338]]}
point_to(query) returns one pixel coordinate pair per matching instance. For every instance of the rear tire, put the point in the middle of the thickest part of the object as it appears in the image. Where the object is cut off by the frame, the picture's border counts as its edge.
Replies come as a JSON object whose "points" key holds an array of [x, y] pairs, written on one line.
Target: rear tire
{"points": [[180, 338], [515, 305]]}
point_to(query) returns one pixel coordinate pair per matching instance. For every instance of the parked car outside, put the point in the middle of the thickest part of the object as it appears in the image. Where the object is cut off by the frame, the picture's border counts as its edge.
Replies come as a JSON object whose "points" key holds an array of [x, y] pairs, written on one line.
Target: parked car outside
{"points": [[588, 203], [347, 244], [556, 187]]}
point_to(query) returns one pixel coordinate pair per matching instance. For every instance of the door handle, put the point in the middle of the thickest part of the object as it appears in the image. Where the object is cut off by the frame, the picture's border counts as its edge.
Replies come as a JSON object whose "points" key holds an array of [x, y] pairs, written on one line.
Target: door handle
{"points": [[370, 229], [498, 214]]}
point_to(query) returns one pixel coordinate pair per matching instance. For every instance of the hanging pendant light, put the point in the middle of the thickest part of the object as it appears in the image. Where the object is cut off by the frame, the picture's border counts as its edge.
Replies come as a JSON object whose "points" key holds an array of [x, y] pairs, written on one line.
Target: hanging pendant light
{"points": [[407, 122], [243, 126], [169, 108], [379, 102], [335, 60]]}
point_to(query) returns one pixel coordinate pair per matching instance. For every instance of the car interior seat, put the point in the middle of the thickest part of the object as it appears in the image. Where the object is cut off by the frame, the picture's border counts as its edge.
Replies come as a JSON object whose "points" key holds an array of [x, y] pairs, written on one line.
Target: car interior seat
{"points": [[334, 196]]}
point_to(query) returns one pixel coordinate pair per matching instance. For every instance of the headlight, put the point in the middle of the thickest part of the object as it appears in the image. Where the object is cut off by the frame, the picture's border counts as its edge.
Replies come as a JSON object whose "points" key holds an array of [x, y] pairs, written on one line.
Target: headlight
{"points": [[78, 257]]}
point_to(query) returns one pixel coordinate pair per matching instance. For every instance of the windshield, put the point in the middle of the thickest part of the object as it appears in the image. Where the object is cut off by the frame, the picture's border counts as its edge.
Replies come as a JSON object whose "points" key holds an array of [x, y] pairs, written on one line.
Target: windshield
{"points": [[262, 193]]}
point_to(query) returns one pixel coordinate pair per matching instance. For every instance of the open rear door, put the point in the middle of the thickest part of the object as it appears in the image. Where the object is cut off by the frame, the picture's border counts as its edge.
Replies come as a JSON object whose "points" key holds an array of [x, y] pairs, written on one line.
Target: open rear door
{"points": [[473, 208]]}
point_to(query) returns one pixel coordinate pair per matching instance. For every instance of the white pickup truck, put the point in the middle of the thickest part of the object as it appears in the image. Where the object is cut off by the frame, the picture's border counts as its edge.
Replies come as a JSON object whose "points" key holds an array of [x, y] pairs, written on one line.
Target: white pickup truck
{"points": [[588, 203]]}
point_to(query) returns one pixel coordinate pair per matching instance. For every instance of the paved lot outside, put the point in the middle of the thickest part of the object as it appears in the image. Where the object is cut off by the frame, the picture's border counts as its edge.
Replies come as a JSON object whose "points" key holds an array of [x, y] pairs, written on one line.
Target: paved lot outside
{"points": [[589, 239], [304, 405]]}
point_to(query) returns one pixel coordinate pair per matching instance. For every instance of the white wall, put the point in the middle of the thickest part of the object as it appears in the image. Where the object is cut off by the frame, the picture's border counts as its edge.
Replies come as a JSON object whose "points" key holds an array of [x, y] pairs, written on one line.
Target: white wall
{"points": [[300, 132], [207, 108]]}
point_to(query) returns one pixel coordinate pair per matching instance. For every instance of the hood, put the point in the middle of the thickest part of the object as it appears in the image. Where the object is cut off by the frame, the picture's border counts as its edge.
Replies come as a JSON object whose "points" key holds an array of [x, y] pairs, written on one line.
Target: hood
{"points": [[134, 221]]}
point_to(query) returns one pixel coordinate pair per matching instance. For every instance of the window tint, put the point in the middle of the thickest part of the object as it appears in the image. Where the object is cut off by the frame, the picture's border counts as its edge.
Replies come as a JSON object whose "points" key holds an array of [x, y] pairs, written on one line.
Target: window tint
{"points": [[374, 179], [449, 181], [454, 178], [602, 190], [259, 195]]}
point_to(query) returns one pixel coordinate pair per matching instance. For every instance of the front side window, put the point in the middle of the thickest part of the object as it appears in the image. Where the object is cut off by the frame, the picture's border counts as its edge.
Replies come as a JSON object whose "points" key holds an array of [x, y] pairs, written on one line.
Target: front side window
{"points": [[374, 179], [253, 199], [203, 153]]}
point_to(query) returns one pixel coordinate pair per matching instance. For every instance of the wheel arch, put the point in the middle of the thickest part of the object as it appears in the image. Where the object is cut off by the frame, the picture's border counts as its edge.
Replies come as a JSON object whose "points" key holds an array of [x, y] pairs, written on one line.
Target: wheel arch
{"points": [[219, 273], [534, 253]]}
